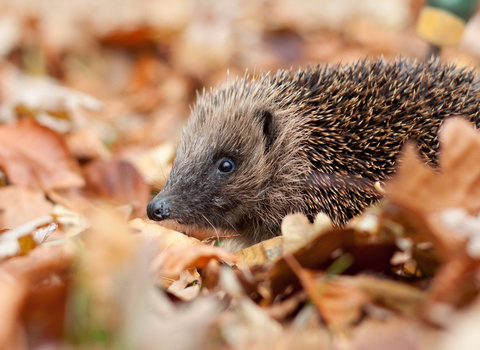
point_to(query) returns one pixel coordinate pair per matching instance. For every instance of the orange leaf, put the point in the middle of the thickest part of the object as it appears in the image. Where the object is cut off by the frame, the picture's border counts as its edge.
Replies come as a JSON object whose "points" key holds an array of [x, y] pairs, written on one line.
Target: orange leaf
{"points": [[19, 205], [174, 260], [36, 157], [417, 186], [118, 182]]}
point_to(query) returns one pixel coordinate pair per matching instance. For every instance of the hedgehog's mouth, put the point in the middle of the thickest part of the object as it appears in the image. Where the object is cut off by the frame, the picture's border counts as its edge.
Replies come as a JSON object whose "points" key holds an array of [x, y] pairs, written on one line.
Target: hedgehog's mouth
{"points": [[201, 222], [185, 222], [195, 221]]}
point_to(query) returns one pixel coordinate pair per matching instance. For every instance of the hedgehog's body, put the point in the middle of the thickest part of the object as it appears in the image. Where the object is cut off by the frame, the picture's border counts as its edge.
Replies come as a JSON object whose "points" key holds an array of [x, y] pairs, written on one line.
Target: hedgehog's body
{"points": [[307, 141]]}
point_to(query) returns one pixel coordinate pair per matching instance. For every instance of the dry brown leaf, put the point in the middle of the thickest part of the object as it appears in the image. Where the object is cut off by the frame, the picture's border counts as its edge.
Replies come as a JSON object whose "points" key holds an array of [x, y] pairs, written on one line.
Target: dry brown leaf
{"points": [[455, 283], [19, 205], [399, 297], [422, 196], [340, 305], [418, 187], [129, 38], [249, 327], [117, 182], [87, 144], [344, 245], [71, 198], [45, 311], [20, 275], [285, 309], [341, 299], [36, 157], [260, 253]]}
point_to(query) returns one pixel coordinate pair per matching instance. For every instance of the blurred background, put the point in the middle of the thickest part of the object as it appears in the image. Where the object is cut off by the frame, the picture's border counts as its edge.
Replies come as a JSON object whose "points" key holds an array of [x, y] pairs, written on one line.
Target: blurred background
{"points": [[116, 78], [93, 97]]}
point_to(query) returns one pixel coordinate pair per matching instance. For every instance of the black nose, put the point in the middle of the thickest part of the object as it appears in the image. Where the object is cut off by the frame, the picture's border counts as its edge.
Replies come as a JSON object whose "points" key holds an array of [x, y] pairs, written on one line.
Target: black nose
{"points": [[158, 209]]}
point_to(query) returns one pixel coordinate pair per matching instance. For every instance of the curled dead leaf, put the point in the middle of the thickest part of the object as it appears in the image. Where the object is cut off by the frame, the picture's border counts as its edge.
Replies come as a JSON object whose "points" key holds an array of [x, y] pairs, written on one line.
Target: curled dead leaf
{"points": [[166, 238], [171, 262]]}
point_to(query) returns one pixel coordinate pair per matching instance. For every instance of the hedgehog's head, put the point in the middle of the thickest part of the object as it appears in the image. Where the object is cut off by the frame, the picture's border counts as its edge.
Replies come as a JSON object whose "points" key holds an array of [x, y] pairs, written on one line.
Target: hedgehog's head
{"points": [[230, 161]]}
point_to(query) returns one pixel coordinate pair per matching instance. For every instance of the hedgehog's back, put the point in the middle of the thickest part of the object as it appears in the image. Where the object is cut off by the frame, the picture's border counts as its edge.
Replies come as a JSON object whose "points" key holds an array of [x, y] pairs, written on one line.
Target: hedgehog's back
{"points": [[364, 113]]}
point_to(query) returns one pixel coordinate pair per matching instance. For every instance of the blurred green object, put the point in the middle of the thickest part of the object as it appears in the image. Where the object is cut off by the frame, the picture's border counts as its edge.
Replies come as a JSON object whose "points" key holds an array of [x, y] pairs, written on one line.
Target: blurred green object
{"points": [[461, 8], [442, 22]]}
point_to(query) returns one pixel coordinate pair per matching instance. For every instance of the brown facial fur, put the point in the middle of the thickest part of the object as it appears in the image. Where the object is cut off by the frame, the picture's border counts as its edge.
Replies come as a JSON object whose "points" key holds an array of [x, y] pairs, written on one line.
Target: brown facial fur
{"points": [[308, 141]]}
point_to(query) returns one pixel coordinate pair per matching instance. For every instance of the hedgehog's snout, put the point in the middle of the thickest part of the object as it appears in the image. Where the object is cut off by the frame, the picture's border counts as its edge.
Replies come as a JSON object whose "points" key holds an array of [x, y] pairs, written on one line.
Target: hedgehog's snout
{"points": [[159, 209]]}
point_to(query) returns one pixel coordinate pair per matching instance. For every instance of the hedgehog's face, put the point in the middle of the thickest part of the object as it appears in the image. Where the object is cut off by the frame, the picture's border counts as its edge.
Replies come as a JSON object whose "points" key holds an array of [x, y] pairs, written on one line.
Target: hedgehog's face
{"points": [[222, 168]]}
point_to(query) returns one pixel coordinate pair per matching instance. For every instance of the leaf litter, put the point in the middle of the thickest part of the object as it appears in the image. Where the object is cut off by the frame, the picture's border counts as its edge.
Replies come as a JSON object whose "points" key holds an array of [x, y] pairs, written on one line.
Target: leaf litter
{"points": [[91, 106]]}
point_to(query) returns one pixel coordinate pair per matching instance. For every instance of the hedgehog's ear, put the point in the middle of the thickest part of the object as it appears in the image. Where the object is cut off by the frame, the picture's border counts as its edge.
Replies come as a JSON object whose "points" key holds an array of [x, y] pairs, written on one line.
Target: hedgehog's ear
{"points": [[266, 119]]}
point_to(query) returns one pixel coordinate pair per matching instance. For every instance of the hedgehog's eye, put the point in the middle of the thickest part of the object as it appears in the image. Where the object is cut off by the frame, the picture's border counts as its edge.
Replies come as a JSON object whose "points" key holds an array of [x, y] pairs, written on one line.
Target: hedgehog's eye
{"points": [[226, 165]]}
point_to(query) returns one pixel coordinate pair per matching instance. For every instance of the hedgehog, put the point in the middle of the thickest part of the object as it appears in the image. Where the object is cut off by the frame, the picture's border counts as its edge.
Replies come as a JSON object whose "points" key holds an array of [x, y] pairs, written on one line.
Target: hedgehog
{"points": [[310, 140]]}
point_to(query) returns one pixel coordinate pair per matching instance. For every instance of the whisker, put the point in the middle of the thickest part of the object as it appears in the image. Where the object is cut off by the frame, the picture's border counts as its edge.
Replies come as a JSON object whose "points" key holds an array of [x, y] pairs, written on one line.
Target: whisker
{"points": [[228, 222], [159, 163], [140, 175], [216, 232]]}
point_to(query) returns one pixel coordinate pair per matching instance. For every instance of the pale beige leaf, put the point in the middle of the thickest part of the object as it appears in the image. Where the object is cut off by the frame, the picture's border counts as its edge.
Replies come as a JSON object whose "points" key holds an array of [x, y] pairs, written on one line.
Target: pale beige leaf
{"points": [[166, 238], [298, 231], [260, 253], [187, 286]]}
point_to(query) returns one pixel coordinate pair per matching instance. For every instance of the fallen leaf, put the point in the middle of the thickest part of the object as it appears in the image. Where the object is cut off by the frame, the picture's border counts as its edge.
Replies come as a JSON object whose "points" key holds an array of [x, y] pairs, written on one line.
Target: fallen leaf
{"points": [[397, 334], [20, 275], [129, 38], [340, 305], [418, 187], [260, 253], [249, 325], [71, 222], [280, 311], [153, 164], [165, 238], [351, 250], [36, 157], [87, 144], [187, 287], [45, 309], [19, 205], [33, 96], [117, 182], [400, 297], [298, 231], [462, 329], [10, 34], [423, 198], [172, 261]]}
